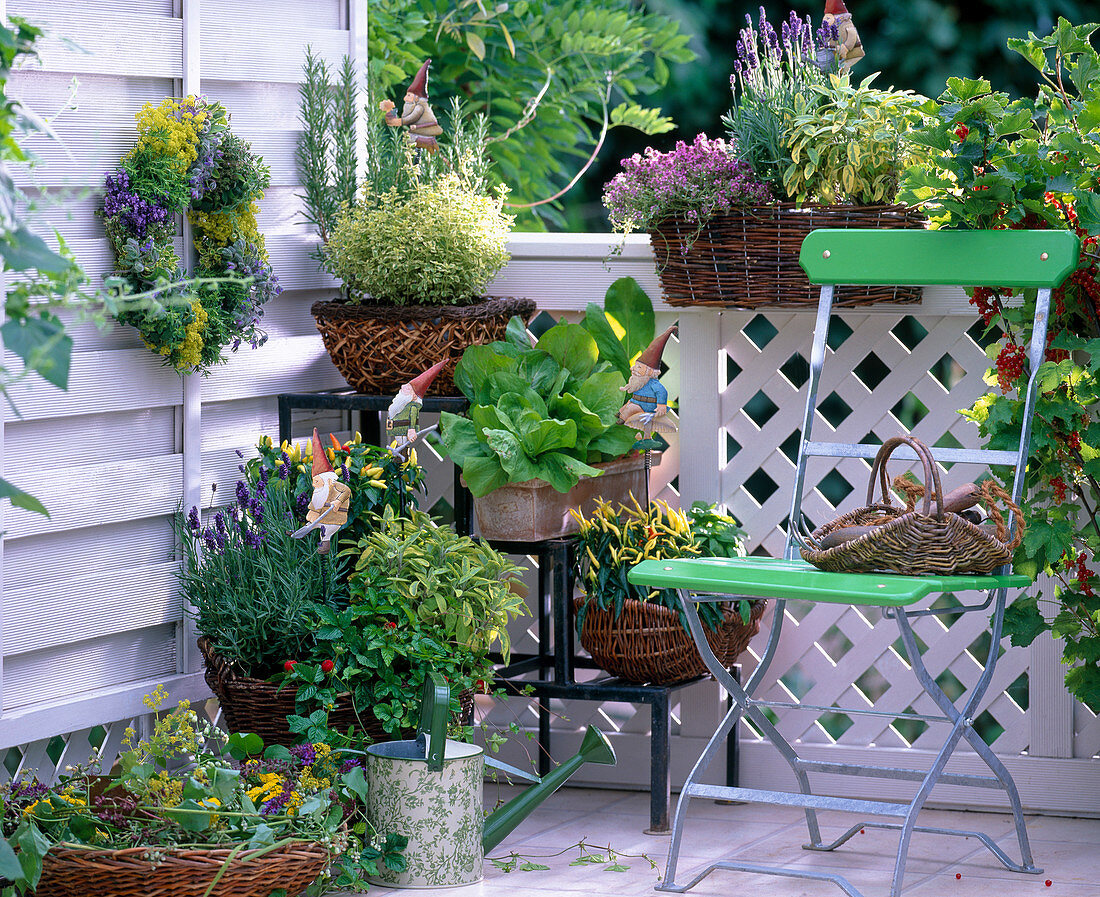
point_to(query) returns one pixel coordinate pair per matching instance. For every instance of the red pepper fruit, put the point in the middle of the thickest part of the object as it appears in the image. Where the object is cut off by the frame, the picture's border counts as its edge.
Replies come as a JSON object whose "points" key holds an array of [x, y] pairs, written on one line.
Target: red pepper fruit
{"points": [[289, 666]]}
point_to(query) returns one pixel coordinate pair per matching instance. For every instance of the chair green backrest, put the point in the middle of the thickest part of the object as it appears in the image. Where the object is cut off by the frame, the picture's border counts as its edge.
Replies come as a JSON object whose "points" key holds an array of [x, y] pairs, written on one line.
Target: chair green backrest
{"points": [[1010, 258]]}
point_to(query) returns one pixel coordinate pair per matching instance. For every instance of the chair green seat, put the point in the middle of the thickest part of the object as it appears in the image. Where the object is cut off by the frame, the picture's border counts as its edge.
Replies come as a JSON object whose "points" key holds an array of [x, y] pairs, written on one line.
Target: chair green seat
{"points": [[760, 577]]}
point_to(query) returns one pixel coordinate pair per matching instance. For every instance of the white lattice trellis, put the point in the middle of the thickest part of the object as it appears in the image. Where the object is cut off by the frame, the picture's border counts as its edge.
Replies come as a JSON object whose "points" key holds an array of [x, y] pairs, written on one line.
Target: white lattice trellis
{"points": [[888, 373]]}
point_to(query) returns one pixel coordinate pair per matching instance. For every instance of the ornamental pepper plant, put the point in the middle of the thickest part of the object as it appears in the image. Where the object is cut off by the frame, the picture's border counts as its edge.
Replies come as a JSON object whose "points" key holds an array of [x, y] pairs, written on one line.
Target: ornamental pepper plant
{"points": [[1000, 162], [378, 479], [615, 537]]}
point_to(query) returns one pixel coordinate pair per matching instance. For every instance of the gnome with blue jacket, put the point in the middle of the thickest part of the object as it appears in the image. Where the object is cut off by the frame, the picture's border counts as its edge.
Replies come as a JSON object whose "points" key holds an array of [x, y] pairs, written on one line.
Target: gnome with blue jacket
{"points": [[647, 407]]}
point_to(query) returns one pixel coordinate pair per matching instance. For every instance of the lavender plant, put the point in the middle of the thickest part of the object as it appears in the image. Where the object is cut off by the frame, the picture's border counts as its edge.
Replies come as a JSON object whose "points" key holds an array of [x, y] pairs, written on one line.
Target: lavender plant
{"points": [[771, 72], [693, 182], [254, 590]]}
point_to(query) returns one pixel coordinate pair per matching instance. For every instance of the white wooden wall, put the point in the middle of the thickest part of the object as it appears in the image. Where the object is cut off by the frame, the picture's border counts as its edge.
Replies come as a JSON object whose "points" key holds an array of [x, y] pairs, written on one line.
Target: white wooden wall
{"points": [[89, 617]]}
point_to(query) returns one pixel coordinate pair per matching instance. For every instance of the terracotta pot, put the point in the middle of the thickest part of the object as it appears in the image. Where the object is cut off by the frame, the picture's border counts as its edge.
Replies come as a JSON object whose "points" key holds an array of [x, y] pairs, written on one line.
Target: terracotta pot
{"points": [[534, 510]]}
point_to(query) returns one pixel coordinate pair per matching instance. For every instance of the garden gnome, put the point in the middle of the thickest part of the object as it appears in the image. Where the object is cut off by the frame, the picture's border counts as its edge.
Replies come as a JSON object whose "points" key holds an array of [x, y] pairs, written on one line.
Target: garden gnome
{"points": [[845, 50], [404, 410], [647, 406], [328, 508], [416, 114]]}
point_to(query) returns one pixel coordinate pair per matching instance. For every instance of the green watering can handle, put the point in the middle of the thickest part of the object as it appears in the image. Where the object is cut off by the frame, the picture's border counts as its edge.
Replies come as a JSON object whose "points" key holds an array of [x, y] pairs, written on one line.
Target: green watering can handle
{"points": [[434, 710]]}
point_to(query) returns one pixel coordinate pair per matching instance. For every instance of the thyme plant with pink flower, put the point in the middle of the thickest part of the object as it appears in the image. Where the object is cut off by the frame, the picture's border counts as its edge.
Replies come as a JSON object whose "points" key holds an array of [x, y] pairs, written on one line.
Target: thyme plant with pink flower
{"points": [[693, 182]]}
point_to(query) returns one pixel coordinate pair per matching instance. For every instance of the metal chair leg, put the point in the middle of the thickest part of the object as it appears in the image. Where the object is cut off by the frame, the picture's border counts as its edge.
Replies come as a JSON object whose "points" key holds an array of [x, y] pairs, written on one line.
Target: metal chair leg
{"points": [[962, 728], [741, 697], [983, 750]]}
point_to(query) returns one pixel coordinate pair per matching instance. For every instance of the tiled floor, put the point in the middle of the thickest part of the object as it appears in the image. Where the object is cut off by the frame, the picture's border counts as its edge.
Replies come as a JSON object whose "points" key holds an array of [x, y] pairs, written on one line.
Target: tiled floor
{"points": [[1067, 849]]}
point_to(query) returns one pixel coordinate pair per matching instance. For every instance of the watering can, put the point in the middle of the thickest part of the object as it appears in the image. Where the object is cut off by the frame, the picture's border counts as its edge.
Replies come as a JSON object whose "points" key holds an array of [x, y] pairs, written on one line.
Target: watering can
{"points": [[430, 791]]}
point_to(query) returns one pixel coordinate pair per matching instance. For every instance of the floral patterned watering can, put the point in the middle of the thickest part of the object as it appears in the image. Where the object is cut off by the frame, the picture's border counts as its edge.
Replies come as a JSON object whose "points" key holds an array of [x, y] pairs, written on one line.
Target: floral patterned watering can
{"points": [[430, 790]]}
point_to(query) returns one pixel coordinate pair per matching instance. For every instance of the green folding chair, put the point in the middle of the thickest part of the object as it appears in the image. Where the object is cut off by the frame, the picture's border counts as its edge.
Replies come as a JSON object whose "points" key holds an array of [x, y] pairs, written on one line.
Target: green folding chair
{"points": [[1031, 259]]}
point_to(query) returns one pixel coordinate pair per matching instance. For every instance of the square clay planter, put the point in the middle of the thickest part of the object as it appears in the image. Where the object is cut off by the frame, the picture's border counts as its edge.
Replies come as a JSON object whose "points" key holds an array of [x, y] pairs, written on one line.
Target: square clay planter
{"points": [[533, 511]]}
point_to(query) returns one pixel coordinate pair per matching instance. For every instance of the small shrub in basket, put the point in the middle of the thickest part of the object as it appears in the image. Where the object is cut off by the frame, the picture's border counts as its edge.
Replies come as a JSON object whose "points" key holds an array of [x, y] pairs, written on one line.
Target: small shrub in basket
{"points": [[192, 811], [421, 598], [415, 245], [641, 634]]}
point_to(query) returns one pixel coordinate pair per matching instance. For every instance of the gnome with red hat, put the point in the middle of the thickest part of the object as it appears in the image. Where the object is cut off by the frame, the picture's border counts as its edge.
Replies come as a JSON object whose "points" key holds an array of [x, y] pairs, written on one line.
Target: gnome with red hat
{"points": [[648, 404], [842, 45], [404, 410], [328, 508], [416, 114]]}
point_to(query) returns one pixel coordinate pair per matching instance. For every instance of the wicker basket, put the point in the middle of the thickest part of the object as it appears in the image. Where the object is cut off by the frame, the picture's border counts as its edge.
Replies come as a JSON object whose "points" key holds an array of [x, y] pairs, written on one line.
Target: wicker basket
{"points": [[70, 872], [749, 258], [909, 542], [256, 705], [647, 643], [380, 348]]}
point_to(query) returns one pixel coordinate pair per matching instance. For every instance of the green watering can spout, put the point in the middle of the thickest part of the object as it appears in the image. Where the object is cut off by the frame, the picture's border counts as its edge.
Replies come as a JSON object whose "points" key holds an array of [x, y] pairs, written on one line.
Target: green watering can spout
{"points": [[434, 710], [595, 748]]}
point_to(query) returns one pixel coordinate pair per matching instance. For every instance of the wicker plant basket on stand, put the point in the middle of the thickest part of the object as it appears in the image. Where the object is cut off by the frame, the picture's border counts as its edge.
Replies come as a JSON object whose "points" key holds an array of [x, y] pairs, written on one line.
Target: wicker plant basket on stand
{"points": [[749, 257], [258, 706], [379, 348], [647, 643], [70, 872]]}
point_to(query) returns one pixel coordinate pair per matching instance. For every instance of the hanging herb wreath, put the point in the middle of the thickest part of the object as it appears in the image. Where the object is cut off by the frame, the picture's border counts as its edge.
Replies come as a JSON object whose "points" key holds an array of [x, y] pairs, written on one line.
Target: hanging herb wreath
{"points": [[188, 160]]}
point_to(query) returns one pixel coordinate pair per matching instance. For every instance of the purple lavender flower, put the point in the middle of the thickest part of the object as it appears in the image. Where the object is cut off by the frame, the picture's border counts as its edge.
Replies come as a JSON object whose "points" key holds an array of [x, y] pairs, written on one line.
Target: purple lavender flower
{"points": [[252, 538], [242, 493], [276, 804], [210, 540], [28, 790], [219, 523], [305, 753], [132, 212], [284, 470], [302, 501], [193, 521]]}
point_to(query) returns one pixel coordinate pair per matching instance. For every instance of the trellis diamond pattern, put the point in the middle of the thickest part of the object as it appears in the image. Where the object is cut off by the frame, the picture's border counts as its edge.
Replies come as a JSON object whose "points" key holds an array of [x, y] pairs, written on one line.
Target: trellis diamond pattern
{"points": [[888, 369]]}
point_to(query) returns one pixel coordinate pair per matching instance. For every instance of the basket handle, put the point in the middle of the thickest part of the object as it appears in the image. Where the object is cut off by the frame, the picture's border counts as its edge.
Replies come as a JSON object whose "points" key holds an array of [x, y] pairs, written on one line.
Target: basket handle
{"points": [[931, 474]]}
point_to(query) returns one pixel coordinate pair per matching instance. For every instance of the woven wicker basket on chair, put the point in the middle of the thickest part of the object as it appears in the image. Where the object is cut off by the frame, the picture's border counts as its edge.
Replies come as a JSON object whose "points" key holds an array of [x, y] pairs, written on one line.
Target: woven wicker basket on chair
{"points": [[749, 257], [380, 348], [647, 643], [910, 542], [258, 706], [68, 872]]}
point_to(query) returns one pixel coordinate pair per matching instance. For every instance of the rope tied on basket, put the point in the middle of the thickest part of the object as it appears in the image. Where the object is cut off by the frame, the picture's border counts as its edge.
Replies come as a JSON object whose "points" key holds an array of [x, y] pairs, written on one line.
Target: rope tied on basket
{"points": [[989, 494]]}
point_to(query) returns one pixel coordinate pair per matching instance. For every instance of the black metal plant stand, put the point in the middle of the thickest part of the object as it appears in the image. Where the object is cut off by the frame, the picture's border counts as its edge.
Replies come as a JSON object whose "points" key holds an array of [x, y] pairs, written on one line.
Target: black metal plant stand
{"points": [[550, 673]]}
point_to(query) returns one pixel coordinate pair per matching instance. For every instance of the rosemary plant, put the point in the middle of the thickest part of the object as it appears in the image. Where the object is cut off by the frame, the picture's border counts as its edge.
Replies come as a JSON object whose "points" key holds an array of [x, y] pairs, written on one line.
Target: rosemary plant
{"points": [[312, 154]]}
